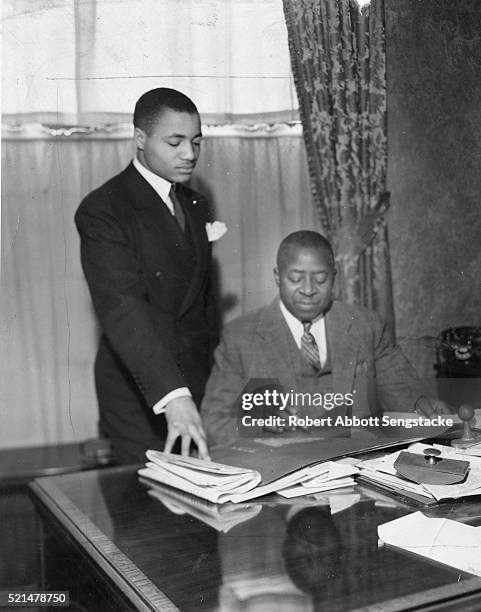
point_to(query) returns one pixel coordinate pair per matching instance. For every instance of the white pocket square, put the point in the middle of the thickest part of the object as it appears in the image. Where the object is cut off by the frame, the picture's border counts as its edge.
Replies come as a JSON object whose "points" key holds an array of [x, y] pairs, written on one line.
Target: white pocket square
{"points": [[215, 230]]}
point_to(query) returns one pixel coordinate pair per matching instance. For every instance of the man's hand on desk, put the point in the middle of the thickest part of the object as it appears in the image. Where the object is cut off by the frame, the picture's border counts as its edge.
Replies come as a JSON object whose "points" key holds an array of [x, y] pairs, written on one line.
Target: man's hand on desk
{"points": [[183, 420], [429, 407]]}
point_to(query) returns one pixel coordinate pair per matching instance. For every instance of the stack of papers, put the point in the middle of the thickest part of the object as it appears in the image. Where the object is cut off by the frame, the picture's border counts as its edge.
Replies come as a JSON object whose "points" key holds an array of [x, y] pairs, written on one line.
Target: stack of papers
{"points": [[316, 479], [381, 471], [219, 483], [215, 482]]}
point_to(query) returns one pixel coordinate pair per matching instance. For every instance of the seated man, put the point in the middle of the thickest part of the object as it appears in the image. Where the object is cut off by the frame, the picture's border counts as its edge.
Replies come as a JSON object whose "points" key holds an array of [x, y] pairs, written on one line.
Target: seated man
{"points": [[311, 344]]}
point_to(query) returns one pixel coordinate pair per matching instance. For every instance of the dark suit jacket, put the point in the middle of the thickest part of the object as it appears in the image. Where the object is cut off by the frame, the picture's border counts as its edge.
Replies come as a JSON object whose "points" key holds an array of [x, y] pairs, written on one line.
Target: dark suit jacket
{"points": [[258, 346], [151, 288]]}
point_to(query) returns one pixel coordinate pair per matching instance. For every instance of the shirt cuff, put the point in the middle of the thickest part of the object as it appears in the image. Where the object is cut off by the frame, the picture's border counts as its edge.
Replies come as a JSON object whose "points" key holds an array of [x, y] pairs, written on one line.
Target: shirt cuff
{"points": [[159, 407]]}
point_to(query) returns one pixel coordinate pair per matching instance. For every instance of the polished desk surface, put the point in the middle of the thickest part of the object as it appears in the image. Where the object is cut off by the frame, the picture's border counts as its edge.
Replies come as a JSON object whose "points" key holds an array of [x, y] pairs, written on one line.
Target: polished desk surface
{"points": [[311, 554], [19, 465]]}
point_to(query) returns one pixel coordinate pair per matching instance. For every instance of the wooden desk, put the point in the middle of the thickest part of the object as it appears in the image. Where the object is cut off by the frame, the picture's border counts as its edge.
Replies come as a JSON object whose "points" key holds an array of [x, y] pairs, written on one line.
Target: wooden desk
{"points": [[20, 465], [322, 556]]}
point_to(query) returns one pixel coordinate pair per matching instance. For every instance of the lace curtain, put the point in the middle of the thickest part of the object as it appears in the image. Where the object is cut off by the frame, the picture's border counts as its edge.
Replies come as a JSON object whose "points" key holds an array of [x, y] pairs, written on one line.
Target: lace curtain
{"points": [[338, 61]]}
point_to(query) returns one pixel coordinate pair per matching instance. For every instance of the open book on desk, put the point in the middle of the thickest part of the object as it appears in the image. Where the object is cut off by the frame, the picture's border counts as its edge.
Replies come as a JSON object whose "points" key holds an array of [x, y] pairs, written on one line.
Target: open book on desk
{"points": [[251, 468], [380, 472]]}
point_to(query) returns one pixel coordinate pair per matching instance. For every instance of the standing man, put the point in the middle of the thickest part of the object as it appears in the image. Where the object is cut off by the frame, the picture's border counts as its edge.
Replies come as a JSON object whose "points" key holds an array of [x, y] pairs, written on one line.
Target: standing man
{"points": [[147, 260]]}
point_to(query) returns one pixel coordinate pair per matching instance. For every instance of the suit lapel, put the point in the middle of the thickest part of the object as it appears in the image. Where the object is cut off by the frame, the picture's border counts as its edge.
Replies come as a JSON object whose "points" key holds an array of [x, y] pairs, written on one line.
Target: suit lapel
{"points": [[195, 225], [172, 242], [156, 220], [276, 337], [343, 347]]}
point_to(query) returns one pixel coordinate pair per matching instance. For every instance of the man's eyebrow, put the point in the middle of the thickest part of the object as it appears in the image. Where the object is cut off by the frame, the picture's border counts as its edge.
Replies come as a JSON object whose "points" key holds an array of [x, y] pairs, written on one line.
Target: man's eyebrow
{"points": [[199, 135], [300, 271]]}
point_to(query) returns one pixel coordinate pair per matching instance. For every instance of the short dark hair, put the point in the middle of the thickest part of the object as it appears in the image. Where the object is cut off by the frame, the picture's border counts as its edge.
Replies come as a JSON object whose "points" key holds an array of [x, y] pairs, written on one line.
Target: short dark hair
{"points": [[153, 103], [304, 239]]}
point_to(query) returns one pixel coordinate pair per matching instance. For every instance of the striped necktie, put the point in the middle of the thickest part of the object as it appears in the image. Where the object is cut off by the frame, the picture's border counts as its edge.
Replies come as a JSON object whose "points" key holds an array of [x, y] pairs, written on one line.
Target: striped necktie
{"points": [[178, 212], [309, 348]]}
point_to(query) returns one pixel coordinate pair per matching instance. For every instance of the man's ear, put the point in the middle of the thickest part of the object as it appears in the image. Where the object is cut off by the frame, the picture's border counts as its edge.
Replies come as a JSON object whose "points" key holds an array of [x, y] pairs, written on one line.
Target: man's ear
{"points": [[276, 276], [334, 289], [139, 136]]}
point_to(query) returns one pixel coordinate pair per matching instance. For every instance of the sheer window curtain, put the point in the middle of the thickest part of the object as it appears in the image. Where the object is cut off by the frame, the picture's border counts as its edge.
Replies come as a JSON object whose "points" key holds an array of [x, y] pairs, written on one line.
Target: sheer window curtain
{"points": [[78, 68], [88, 61]]}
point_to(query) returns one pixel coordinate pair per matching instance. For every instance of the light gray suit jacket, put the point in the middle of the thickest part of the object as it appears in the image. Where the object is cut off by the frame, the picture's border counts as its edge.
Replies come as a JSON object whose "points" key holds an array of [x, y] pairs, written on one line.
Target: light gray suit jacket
{"points": [[258, 345]]}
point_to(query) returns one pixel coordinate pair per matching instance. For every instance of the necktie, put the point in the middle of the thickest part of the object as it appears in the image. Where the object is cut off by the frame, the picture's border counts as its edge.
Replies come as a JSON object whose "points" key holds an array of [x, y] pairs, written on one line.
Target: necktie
{"points": [[309, 348], [178, 212]]}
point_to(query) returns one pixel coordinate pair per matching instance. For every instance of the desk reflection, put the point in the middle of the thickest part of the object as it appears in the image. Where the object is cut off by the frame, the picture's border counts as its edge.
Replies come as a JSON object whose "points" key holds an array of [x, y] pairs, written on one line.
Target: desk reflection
{"points": [[317, 553], [309, 554], [313, 555]]}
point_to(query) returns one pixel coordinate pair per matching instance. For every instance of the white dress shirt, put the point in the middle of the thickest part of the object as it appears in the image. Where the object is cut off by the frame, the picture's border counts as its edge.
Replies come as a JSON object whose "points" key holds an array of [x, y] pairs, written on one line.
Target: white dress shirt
{"points": [[318, 330], [159, 184], [162, 188]]}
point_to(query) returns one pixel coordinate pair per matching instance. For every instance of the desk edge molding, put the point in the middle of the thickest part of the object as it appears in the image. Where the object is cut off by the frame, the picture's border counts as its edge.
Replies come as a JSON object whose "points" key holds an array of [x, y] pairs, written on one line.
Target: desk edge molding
{"points": [[143, 593]]}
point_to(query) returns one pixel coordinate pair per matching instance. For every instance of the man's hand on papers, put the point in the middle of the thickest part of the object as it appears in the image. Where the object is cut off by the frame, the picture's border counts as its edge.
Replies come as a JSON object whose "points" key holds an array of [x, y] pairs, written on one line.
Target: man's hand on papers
{"points": [[429, 407], [183, 420]]}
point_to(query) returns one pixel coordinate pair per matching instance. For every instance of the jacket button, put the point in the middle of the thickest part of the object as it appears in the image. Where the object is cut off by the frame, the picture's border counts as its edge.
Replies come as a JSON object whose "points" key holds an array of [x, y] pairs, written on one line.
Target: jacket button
{"points": [[159, 274]]}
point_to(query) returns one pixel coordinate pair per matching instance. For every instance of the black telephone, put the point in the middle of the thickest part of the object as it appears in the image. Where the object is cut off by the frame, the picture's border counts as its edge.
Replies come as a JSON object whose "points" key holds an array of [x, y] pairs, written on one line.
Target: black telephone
{"points": [[458, 353]]}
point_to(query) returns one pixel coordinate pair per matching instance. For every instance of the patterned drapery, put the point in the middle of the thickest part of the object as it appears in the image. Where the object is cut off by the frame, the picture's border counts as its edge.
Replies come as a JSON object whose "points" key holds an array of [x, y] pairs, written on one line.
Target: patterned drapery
{"points": [[338, 60]]}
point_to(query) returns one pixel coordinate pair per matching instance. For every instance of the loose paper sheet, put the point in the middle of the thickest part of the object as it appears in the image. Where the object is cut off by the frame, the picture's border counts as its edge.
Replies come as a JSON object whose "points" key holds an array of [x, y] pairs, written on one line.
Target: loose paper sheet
{"points": [[440, 539]]}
